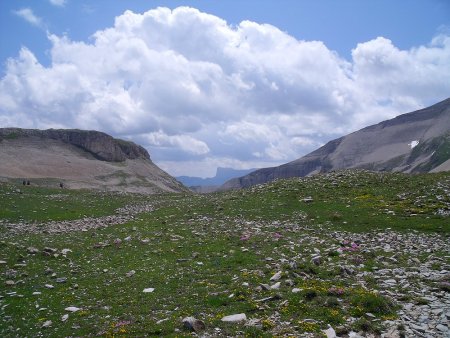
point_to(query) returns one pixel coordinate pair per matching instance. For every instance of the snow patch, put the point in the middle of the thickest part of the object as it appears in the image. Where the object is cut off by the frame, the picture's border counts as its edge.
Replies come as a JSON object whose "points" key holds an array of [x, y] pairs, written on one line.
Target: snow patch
{"points": [[413, 144]]}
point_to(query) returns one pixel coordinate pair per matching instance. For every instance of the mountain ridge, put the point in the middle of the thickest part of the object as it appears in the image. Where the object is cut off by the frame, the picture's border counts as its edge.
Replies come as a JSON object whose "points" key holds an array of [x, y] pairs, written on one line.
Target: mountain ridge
{"points": [[80, 159], [413, 142], [103, 146]]}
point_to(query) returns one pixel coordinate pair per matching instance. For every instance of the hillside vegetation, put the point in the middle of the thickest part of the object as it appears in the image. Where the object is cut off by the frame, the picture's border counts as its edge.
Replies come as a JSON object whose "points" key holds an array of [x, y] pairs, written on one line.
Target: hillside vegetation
{"points": [[356, 251]]}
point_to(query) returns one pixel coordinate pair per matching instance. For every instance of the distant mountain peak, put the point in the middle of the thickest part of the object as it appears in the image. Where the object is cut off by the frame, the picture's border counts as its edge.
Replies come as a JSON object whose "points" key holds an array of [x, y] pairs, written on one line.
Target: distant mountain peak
{"points": [[222, 175]]}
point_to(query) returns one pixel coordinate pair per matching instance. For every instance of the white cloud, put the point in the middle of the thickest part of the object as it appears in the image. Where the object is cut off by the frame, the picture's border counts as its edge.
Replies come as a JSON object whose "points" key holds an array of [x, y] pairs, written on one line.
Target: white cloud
{"points": [[28, 15], [193, 89], [60, 3], [185, 142]]}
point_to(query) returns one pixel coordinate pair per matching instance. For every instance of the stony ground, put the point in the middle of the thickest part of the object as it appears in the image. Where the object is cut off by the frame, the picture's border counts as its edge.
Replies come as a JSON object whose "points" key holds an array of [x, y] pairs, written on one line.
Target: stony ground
{"points": [[120, 216], [252, 263]]}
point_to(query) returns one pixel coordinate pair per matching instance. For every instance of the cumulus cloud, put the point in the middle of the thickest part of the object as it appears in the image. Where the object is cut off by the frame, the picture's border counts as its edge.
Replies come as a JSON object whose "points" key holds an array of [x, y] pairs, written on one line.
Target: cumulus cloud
{"points": [[195, 90], [28, 15], [184, 142], [402, 77]]}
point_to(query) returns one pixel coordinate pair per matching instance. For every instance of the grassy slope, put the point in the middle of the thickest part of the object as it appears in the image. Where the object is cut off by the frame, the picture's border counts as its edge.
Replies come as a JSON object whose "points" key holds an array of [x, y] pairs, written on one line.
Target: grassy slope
{"points": [[236, 238], [36, 204]]}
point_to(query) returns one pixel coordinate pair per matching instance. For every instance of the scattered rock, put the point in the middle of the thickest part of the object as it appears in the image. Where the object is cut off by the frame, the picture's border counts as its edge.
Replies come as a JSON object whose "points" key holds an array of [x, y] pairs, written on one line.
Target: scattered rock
{"points": [[47, 323], [354, 335], [444, 286], [254, 322], [276, 276], [65, 251], [193, 324], [49, 251], [148, 290], [265, 286], [346, 271], [32, 250], [316, 260], [442, 328], [390, 281], [289, 282], [72, 309], [235, 318], [267, 299], [276, 286], [420, 328], [330, 333]]}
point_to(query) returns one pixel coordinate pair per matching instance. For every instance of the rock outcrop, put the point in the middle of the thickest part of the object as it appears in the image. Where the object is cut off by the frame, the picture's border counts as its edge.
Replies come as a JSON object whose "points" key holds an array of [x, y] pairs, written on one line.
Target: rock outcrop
{"points": [[412, 143]]}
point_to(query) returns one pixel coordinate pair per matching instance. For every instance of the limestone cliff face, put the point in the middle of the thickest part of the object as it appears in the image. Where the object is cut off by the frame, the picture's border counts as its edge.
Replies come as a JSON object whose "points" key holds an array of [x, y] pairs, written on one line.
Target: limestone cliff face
{"points": [[102, 146], [414, 142]]}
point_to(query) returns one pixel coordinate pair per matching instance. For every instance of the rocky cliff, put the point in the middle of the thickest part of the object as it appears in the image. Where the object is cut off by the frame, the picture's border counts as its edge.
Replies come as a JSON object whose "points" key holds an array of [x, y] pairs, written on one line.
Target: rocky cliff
{"points": [[80, 159], [412, 142]]}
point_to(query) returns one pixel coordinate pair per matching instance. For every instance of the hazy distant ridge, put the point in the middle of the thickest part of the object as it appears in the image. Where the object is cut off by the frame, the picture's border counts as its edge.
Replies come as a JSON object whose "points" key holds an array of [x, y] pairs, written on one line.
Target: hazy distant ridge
{"points": [[222, 175]]}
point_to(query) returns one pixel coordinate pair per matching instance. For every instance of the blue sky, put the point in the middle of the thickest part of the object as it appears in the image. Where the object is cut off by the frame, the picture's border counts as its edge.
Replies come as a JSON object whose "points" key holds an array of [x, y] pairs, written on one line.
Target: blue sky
{"points": [[214, 85], [339, 24]]}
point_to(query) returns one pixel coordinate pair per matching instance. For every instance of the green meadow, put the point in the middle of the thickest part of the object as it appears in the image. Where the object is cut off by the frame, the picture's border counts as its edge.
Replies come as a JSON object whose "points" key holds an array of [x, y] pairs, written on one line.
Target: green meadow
{"points": [[209, 256]]}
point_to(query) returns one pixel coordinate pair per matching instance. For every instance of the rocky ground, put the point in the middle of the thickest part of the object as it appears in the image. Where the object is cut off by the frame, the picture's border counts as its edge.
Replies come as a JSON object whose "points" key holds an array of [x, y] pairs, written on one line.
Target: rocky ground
{"points": [[121, 216], [270, 261], [405, 268]]}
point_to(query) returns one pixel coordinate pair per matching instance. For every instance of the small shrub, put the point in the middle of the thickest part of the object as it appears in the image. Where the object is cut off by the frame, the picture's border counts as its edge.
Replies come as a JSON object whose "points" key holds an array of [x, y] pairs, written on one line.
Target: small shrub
{"points": [[310, 295], [333, 253], [332, 302], [366, 326], [308, 326], [373, 303], [267, 324]]}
